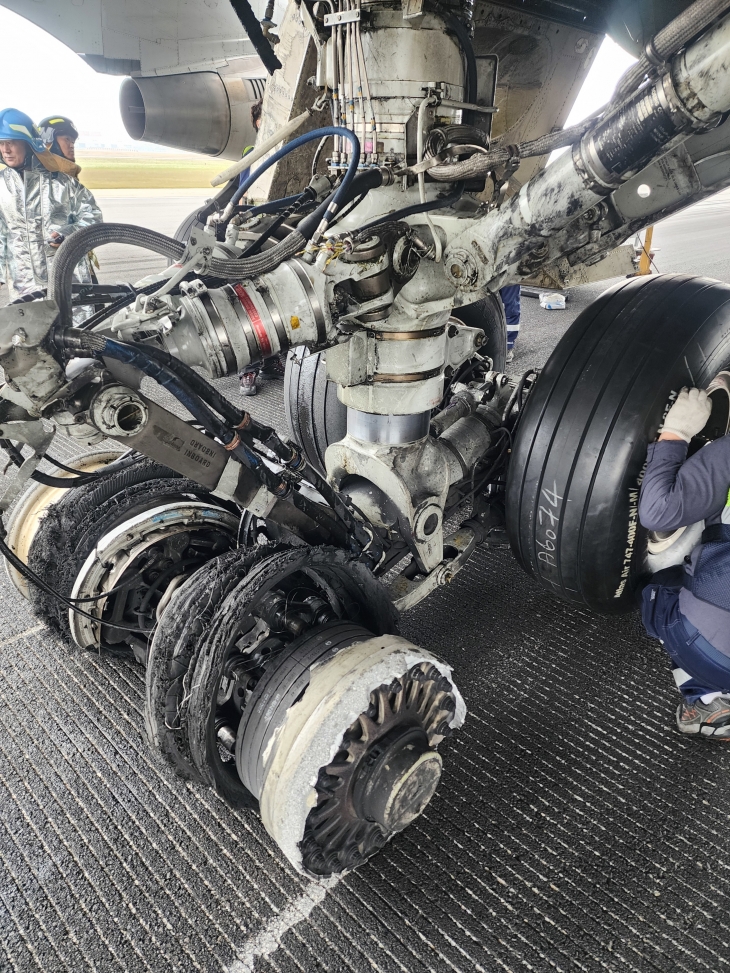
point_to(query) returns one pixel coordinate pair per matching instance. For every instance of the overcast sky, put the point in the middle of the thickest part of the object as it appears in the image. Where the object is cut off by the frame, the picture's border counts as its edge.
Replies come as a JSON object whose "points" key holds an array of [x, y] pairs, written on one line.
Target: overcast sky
{"points": [[40, 75]]}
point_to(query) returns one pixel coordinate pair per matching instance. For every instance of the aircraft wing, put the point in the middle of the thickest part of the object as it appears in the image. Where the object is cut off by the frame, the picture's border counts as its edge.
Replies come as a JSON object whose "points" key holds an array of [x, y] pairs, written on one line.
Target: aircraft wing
{"points": [[144, 37]]}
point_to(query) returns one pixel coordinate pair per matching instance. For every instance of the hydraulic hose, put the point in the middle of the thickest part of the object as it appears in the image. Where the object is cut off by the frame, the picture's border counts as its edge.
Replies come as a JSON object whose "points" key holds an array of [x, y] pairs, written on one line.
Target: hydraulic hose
{"points": [[481, 164], [80, 343], [74, 247], [79, 243], [339, 194], [360, 186], [415, 210], [462, 33], [668, 41]]}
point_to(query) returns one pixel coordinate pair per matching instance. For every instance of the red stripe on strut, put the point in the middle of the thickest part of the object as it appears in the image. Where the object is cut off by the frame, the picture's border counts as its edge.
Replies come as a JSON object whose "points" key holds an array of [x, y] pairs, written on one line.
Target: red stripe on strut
{"points": [[255, 318]]}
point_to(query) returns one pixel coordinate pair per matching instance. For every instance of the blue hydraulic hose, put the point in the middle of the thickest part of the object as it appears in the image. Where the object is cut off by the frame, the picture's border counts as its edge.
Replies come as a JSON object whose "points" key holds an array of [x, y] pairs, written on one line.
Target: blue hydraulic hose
{"points": [[295, 144]]}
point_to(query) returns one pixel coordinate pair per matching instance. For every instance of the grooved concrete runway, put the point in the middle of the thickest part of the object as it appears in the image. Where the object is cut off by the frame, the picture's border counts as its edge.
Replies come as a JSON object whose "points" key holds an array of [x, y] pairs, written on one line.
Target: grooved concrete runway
{"points": [[573, 829]]}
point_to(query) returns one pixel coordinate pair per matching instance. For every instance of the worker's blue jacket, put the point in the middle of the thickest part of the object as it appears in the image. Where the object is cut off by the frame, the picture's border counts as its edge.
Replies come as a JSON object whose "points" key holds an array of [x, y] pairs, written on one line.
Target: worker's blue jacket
{"points": [[676, 492]]}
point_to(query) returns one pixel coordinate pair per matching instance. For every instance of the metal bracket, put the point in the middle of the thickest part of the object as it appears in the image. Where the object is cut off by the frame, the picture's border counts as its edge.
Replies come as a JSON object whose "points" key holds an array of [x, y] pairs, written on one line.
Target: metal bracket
{"points": [[406, 593], [34, 434], [345, 17]]}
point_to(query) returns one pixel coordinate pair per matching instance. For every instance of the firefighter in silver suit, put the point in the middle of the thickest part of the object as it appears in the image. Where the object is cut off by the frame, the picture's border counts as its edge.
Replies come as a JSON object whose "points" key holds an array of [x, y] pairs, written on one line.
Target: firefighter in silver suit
{"points": [[41, 203]]}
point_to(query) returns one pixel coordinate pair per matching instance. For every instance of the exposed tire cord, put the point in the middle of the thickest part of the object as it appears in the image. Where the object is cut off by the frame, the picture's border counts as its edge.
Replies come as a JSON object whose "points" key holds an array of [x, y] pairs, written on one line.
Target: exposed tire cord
{"points": [[174, 651], [366, 599], [73, 526], [579, 455]]}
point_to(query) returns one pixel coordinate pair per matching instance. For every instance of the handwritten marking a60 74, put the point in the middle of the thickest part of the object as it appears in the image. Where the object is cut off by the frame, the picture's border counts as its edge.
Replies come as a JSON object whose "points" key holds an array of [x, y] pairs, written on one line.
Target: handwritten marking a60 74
{"points": [[548, 516]]}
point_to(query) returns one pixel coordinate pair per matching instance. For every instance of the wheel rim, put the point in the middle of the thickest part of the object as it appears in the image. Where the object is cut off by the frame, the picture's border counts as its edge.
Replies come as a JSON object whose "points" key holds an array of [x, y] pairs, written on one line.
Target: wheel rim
{"points": [[188, 532], [26, 516], [336, 790]]}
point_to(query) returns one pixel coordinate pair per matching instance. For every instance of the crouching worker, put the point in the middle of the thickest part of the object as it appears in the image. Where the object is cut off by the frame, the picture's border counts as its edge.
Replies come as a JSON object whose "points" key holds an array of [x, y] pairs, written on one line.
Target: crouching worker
{"points": [[41, 203], [687, 607]]}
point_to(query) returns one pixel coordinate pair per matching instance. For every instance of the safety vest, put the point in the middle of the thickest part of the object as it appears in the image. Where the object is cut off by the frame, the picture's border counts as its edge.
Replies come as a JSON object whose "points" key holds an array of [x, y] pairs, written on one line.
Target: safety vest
{"points": [[711, 579]]}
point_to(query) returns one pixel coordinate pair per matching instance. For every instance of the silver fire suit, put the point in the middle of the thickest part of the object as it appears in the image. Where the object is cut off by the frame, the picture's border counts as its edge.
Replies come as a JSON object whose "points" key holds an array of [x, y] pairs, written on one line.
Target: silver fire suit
{"points": [[34, 203]]}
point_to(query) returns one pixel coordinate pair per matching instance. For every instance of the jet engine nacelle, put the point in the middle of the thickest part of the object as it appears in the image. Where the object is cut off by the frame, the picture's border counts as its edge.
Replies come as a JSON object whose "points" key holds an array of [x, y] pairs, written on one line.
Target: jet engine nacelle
{"points": [[199, 111]]}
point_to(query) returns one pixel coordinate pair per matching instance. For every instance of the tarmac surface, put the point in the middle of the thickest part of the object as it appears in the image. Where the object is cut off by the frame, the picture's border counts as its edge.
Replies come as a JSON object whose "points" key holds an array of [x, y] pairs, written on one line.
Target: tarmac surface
{"points": [[573, 829]]}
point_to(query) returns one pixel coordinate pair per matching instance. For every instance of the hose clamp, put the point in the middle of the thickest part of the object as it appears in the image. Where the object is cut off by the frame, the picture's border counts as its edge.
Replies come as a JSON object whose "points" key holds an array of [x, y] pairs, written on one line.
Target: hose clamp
{"points": [[653, 56]]}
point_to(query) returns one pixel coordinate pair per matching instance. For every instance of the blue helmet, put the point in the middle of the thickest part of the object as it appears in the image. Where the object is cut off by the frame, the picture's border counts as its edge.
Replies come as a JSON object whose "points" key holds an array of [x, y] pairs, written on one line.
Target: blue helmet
{"points": [[16, 124]]}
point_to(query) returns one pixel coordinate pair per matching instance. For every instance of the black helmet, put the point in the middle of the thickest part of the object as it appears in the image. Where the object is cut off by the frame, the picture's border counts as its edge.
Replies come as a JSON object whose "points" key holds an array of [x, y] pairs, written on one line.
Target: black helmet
{"points": [[55, 125]]}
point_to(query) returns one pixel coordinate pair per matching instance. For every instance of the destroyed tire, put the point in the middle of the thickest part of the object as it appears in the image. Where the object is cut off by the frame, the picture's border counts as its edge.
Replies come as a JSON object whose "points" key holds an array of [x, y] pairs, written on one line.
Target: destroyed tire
{"points": [[316, 417], [347, 591], [72, 528], [282, 697], [580, 450], [173, 654]]}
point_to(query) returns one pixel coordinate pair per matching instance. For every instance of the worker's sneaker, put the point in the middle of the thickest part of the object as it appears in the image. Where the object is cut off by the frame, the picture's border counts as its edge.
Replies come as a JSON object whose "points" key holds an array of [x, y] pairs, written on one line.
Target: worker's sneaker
{"points": [[710, 720], [510, 356], [248, 383]]}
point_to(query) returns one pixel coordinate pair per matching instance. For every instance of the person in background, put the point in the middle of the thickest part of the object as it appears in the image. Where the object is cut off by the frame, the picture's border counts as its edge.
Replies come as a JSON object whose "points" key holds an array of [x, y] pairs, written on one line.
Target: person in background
{"points": [[512, 312], [687, 606], [41, 203], [273, 367], [60, 136]]}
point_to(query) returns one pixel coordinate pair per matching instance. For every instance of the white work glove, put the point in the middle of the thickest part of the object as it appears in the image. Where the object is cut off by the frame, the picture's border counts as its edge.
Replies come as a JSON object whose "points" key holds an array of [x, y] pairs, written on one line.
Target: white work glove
{"points": [[689, 414]]}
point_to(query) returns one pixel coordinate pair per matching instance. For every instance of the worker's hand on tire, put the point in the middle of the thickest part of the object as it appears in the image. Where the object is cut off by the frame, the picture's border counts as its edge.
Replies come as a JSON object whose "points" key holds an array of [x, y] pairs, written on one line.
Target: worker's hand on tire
{"points": [[689, 414]]}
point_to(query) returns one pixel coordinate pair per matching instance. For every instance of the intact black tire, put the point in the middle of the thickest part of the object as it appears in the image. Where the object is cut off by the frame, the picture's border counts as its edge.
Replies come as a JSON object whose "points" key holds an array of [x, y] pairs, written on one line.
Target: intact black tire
{"points": [[315, 415], [579, 454]]}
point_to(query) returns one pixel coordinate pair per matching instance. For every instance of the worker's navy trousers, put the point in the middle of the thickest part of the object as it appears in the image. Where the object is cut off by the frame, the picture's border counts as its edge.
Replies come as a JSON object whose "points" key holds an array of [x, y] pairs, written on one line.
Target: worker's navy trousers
{"points": [[709, 669], [512, 310]]}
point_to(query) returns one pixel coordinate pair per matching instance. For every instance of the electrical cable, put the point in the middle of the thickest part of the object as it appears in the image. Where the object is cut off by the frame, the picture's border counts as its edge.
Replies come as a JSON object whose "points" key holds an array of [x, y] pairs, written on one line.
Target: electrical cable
{"points": [[462, 33], [416, 209], [36, 580]]}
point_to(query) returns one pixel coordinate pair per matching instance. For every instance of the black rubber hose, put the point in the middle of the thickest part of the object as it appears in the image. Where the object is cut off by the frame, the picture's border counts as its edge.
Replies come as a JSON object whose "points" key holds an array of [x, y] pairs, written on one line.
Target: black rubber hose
{"points": [[197, 383], [250, 23], [31, 576], [255, 246], [96, 345], [415, 209], [74, 247], [453, 22], [108, 312], [62, 482], [360, 186]]}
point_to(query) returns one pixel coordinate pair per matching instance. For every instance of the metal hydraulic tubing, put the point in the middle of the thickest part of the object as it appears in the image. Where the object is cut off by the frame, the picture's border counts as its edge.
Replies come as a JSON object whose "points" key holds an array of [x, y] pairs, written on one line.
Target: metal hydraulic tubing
{"points": [[690, 97]]}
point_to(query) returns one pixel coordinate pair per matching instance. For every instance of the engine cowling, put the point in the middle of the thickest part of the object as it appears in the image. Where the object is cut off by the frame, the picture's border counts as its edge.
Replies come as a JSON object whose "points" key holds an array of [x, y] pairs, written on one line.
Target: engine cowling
{"points": [[199, 112]]}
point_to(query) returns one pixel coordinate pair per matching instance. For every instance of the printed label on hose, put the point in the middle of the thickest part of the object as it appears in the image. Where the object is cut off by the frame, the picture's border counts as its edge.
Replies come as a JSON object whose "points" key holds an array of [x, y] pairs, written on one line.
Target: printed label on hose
{"points": [[255, 318]]}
